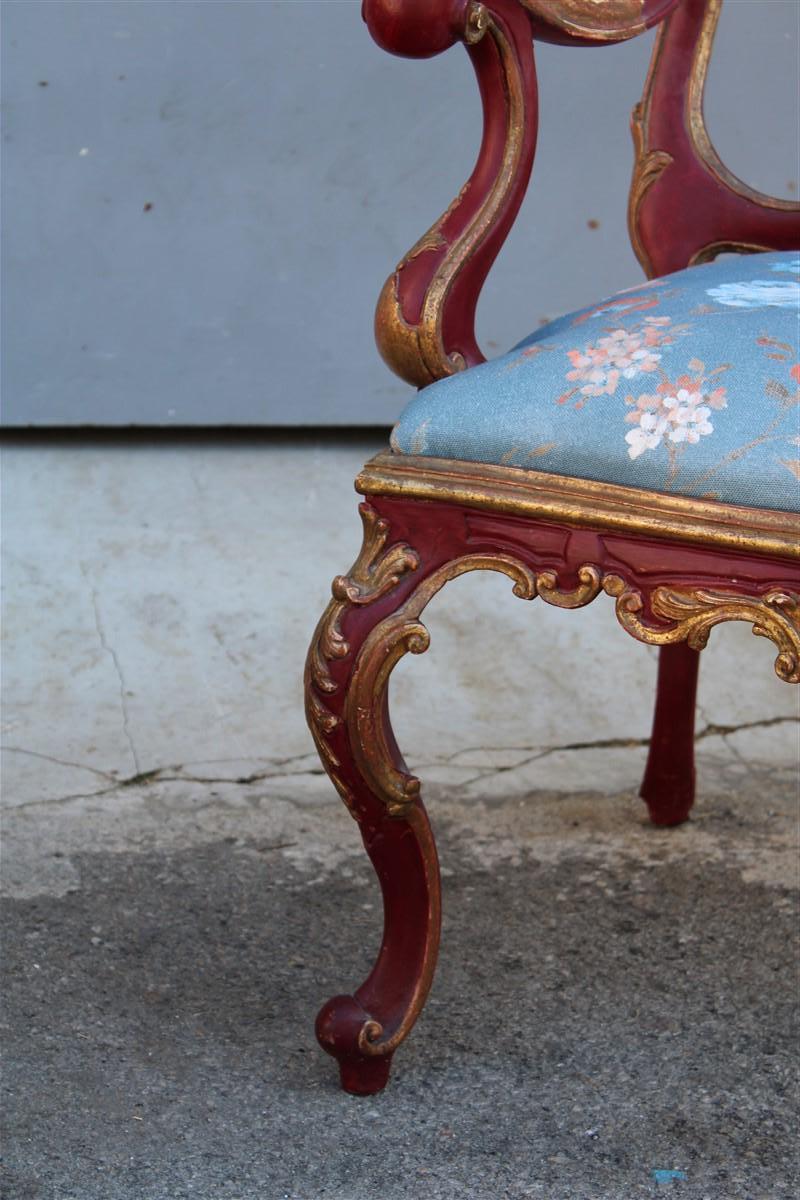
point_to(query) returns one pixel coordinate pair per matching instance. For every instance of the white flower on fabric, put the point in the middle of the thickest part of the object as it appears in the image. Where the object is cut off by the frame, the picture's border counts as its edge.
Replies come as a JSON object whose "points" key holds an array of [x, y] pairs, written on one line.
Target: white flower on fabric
{"points": [[691, 423], [682, 417], [758, 293], [647, 434], [621, 353]]}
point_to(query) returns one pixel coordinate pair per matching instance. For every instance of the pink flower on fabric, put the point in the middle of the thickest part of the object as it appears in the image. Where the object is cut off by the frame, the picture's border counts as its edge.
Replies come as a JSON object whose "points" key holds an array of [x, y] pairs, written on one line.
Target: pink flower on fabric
{"points": [[619, 354]]}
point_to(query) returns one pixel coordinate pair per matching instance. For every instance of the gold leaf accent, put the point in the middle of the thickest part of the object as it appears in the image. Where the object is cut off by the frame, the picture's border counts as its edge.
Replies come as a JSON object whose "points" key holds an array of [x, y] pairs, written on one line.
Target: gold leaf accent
{"points": [[701, 142], [322, 723], [398, 634], [417, 352], [647, 168], [583, 503], [477, 23], [606, 20], [649, 164], [374, 573], [691, 613], [591, 582], [695, 612]]}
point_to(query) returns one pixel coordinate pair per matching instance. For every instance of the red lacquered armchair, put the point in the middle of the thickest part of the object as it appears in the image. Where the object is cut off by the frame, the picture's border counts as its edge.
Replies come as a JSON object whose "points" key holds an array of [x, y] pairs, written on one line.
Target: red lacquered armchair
{"points": [[644, 447]]}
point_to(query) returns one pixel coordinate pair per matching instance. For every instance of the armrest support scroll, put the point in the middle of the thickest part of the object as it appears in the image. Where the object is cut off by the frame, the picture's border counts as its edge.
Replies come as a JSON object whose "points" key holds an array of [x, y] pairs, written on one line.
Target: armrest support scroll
{"points": [[425, 317]]}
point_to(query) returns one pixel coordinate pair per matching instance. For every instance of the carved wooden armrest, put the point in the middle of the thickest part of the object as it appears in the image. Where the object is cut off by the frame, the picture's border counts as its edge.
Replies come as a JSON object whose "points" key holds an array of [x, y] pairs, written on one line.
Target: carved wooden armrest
{"points": [[424, 323], [426, 312]]}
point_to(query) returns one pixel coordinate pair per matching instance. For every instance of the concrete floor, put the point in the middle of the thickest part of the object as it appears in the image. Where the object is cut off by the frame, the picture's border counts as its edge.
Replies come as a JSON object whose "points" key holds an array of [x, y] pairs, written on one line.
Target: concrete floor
{"points": [[183, 888]]}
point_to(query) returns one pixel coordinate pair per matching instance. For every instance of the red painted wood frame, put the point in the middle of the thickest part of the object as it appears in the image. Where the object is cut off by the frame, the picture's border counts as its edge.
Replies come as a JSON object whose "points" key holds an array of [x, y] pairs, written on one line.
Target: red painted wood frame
{"points": [[671, 586]]}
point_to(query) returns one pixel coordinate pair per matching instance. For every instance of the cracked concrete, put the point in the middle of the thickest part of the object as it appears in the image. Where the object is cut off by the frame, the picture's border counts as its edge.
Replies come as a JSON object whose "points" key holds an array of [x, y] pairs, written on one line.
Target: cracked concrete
{"points": [[123, 687], [160, 599], [183, 887]]}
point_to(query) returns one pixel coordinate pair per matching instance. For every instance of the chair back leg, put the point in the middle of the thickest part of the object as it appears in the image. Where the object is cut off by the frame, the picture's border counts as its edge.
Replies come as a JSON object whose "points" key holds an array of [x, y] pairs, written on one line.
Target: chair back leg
{"points": [[668, 783]]}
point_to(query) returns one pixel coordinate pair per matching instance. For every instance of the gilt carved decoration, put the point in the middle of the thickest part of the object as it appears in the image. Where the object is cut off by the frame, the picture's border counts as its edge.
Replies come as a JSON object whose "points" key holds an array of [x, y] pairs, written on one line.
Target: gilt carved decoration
{"points": [[685, 206], [585, 22], [653, 612], [375, 572]]}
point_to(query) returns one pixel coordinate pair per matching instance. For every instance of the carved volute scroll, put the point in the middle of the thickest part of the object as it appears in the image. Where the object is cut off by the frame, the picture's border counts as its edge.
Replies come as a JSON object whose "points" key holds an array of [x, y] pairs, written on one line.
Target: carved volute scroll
{"points": [[692, 614], [586, 22], [667, 616], [424, 323], [398, 634], [376, 571], [685, 206]]}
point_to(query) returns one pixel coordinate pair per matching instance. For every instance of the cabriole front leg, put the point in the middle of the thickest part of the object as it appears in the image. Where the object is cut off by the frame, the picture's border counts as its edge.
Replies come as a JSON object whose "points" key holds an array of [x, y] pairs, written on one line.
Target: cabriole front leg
{"points": [[373, 620], [355, 648], [362, 1030]]}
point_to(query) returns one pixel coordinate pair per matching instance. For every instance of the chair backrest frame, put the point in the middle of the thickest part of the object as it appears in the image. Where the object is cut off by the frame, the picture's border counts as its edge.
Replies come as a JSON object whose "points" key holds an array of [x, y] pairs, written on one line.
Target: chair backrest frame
{"points": [[684, 208]]}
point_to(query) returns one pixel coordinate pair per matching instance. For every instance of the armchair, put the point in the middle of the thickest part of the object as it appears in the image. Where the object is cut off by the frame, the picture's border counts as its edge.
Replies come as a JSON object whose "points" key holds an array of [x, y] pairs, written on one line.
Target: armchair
{"points": [[644, 447]]}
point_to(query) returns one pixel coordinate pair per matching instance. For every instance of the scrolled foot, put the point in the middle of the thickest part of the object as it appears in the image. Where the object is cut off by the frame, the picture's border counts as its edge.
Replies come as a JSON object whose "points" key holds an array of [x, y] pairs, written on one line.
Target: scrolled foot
{"points": [[342, 1028]]}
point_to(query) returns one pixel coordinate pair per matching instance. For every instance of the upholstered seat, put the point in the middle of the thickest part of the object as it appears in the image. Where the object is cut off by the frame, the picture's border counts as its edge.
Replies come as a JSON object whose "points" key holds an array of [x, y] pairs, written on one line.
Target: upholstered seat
{"points": [[687, 384]]}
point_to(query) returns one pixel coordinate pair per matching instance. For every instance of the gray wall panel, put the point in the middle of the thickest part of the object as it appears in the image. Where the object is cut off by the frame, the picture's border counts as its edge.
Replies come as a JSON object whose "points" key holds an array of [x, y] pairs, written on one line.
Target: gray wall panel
{"points": [[288, 163]]}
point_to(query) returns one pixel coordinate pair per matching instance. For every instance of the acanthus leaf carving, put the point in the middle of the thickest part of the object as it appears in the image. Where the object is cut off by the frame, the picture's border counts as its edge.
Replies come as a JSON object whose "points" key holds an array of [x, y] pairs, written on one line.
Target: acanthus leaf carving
{"points": [[374, 573], [676, 615], [693, 613]]}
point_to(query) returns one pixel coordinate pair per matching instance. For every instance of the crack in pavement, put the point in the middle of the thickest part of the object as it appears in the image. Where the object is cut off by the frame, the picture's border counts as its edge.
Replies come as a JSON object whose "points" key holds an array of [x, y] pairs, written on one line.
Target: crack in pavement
{"points": [[710, 730], [106, 645], [178, 773], [170, 774], [61, 762]]}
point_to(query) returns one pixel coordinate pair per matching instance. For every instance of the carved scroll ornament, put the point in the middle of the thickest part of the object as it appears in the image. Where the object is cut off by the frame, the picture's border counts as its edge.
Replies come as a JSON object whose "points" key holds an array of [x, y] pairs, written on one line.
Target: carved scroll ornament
{"points": [[685, 206], [675, 614], [663, 616], [376, 572], [359, 730], [591, 21]]}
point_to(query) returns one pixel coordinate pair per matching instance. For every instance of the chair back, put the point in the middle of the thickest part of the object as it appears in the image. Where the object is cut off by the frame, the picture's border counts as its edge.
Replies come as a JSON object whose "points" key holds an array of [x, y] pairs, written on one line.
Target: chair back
{"points": [[685, 206]]}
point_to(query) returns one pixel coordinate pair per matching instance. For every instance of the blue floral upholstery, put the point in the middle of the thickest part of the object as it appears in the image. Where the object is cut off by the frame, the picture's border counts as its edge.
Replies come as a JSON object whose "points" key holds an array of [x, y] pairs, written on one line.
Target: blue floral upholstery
{"points": [[687, 384]]}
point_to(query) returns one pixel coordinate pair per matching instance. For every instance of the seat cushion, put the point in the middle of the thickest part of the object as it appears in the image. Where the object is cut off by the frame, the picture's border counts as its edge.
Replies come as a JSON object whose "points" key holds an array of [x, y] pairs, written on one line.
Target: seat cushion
{"points": [[687, 384]]}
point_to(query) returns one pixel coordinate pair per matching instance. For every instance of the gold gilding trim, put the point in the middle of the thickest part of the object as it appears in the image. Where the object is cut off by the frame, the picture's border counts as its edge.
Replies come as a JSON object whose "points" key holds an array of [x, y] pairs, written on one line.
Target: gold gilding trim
{"points": [[695, 120], [709, 253], [678, 614], [398, 634], [694, 613], [598, 20], [648, 166], [371, 1039], [584, 503], [374, 573], [650, 163], [417, 353]]}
